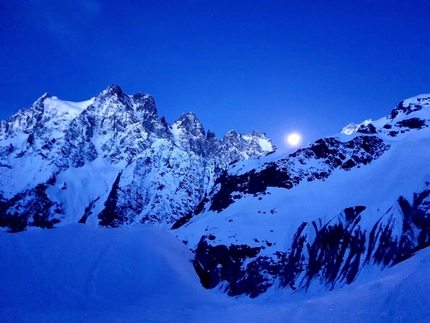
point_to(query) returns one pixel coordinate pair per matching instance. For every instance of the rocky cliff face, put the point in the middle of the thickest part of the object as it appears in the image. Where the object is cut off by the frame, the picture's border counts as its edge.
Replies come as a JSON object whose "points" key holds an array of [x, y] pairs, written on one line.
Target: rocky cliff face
{"points": [[317, 217], [109, 161]]}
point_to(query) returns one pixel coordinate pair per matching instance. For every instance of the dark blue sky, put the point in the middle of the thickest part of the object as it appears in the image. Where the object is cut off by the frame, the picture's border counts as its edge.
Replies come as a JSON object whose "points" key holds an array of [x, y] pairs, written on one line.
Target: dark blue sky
{"points": [[274, 66]]}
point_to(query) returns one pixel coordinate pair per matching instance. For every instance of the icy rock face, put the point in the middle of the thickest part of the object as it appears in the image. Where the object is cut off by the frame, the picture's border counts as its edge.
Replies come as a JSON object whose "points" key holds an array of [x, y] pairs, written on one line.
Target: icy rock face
{"points": [[329, 254], [108, 161], [409, 114], [236, 146], [302, 165], [316, 217], [189, 133]]}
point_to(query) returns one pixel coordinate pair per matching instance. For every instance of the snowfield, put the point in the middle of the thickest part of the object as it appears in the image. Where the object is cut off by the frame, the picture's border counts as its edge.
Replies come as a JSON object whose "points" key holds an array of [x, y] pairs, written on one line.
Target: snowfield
{"points": [[79, 273]]}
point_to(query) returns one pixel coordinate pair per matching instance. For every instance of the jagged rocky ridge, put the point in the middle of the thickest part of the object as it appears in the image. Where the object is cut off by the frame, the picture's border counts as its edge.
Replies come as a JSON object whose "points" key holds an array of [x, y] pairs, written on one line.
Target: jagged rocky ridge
{"points": [[109, 161], [317, 217]]}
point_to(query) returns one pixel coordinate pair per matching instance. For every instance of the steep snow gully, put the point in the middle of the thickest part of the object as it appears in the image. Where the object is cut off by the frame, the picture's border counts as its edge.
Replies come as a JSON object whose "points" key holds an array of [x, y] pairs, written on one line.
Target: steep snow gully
{"points": [[337, 229]]}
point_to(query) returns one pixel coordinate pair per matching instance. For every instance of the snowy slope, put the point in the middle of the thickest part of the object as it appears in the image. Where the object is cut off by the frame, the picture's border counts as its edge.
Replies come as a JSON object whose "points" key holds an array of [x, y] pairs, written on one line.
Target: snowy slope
{"points": [[110, 161], [317, 217], [79, 273]]}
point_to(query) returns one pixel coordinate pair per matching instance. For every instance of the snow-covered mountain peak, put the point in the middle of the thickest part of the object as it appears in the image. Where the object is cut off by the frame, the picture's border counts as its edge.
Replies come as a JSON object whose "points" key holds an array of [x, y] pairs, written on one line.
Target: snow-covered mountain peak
{"points": [[231, 134], [109, 160], [422, 99], [48, 114], [191, 124], [112, 89], [115, 95], [414, 104], [210, 135], [43, 97], [409, 115], [256, 142], [352, 127], [145, 104], [189, 134]]}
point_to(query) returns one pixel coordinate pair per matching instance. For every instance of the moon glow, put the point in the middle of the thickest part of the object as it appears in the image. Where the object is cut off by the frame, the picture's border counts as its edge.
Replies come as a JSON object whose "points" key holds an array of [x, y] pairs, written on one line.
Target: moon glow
{"points": [[294, 139]]}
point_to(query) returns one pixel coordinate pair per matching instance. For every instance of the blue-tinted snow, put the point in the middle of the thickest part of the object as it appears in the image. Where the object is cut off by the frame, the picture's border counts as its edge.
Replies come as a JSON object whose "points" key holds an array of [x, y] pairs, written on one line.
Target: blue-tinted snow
{"points": [[78, 273]]}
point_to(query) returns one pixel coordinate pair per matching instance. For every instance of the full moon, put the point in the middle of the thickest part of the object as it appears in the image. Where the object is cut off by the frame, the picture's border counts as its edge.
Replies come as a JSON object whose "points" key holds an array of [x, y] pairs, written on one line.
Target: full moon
{"points": [[294, 139]]}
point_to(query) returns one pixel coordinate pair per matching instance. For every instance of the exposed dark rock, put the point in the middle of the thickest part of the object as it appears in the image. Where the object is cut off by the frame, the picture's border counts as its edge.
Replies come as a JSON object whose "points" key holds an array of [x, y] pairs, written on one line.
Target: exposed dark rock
{"points": [[368, 129], [352, 212], [185, 219], [30, 208], [412, 123], [219, 263], [109, 217], [88, 211]]}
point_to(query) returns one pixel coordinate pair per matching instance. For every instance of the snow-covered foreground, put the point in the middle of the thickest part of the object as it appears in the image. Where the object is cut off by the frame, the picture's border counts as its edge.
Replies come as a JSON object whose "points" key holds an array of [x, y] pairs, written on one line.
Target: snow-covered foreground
{"points": [[79, 273]]}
